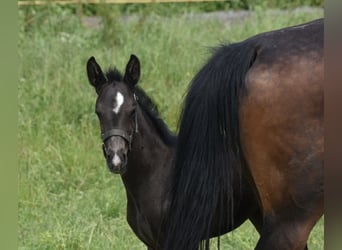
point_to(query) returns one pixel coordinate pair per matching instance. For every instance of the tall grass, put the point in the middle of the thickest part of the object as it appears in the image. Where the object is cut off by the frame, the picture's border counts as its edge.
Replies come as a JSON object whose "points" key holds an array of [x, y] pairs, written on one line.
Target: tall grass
{"points": [[67, 198]]}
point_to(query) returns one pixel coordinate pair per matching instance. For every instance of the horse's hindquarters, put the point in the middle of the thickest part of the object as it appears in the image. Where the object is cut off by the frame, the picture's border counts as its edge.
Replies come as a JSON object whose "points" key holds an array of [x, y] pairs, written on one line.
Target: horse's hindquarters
{"points": [[281, 123]]}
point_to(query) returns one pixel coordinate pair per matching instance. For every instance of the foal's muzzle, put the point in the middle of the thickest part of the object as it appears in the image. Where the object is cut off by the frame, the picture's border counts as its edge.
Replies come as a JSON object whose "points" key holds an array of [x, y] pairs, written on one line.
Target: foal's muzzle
{"points": [[115, 149], [116, 145]]}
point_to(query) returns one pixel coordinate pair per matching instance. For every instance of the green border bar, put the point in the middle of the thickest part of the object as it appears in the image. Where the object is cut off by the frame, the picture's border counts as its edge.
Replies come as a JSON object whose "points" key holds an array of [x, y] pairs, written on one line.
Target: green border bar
{"points": [[8, 125]]}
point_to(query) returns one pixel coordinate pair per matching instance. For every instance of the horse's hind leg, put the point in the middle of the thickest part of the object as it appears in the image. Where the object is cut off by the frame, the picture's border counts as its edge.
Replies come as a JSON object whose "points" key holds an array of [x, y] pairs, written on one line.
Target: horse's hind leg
{"points": [[285, 235], [257, 221], [289, 182], [291, 197], [292, 203]]}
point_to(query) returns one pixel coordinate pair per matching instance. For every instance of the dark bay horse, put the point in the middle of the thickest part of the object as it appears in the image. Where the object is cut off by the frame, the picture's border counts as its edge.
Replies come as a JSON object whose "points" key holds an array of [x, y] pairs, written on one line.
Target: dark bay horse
{"points": [[138, 145], [256, 109]]}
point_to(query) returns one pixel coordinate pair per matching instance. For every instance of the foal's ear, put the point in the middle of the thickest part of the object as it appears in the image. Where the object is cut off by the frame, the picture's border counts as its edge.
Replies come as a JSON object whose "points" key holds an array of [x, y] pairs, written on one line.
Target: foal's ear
{"points": [[132, 73], [95, 74]]}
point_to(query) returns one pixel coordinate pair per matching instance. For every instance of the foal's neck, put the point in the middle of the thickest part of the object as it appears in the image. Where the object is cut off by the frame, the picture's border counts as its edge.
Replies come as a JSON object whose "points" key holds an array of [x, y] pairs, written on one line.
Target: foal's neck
{"points": [[150, 155], [147, 179]]}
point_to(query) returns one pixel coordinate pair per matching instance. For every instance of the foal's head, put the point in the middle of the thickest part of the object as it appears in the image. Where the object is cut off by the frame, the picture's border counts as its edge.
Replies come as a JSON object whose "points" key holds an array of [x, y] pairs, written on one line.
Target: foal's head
{"points": [[116, 109]]}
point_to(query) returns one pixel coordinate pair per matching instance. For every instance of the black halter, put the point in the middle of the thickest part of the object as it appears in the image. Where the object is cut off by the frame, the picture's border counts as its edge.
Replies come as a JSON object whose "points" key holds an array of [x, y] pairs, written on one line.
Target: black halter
{"points": [[123, 133]]}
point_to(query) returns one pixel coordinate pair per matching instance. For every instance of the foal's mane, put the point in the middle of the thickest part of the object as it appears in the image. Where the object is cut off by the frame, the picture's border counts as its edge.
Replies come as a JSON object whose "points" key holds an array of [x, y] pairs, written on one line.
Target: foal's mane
{"points": [[148, 106]]}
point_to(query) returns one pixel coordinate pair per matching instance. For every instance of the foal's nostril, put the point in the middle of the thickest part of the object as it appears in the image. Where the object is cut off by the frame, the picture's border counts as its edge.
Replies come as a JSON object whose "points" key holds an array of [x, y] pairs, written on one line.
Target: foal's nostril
{"points": [[108, 154]]}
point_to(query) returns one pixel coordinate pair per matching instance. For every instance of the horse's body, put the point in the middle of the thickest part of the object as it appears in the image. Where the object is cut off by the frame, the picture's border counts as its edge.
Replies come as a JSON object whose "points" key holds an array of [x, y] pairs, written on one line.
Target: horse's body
{"points": [[255, 108], [139, 146]]}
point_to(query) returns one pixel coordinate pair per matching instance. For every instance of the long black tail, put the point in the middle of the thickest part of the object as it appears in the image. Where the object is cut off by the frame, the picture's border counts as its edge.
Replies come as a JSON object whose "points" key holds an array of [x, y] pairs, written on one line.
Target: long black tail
{"points": [[208, 148]]}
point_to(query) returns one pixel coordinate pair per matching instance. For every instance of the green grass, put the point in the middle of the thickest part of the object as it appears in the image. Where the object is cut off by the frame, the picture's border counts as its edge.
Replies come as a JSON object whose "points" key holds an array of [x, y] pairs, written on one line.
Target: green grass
{"points": [[67, 198]]}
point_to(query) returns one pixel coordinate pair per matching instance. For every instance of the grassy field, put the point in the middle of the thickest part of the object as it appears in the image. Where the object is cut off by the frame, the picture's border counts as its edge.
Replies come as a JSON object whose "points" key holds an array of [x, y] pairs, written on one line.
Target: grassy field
{"points": [[67, 197]]}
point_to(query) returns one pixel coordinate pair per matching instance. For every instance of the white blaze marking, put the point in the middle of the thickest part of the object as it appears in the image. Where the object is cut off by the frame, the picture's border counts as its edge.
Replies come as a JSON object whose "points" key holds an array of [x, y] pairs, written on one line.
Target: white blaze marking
{"points": [[119, 100], [116, 160]]}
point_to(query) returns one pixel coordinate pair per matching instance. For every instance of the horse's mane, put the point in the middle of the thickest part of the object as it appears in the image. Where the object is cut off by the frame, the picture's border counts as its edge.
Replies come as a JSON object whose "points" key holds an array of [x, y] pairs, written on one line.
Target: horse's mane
{"points": [[148, 106]]}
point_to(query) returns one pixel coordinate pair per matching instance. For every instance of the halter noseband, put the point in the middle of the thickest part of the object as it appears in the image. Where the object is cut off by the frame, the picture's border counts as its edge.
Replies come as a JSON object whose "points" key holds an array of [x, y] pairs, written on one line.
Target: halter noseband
{"points": [[122, 133], [116, 132]]}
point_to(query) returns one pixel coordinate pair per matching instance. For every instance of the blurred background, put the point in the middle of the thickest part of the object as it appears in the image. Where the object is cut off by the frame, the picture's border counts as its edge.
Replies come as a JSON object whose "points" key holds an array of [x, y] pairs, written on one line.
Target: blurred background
{"points": [[67, 197]]}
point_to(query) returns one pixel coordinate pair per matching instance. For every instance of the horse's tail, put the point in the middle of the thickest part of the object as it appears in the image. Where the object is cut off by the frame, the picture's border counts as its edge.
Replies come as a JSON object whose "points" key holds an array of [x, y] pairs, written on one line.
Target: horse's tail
{"points": [[208, 149]]}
